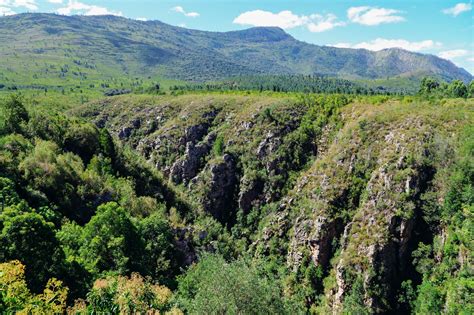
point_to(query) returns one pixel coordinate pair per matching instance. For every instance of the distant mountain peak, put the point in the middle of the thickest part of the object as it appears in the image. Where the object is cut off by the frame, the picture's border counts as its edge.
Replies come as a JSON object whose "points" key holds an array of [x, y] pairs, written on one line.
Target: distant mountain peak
{"points": [[107, 46], [262, 34]]}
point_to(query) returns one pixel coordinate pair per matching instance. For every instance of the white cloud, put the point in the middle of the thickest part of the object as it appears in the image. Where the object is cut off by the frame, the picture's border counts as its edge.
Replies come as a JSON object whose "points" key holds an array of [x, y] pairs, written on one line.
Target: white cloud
{"points": [[7, 5], [366, 15], [181, 10], [76, 7], [4, 11], [458, 9], [141, 19], [287, 20], [453, 54], [382, 43], [460, 57], [56, 1], [323, 23], [284, 19]]}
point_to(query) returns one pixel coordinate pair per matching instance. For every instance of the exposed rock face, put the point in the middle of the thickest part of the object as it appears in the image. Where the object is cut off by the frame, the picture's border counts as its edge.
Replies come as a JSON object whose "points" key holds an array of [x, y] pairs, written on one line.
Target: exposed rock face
{"points": [[350, 207], [318, 228], [219, 199], [188, 166], [125, 133], [268, 145], [376, 246], [195, 133], [184, 243], [250, 191]]}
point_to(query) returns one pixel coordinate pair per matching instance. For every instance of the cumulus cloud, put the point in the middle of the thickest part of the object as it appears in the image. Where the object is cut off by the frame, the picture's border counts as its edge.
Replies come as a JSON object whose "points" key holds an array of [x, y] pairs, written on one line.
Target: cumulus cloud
{"points": [[323, 23], [458, 9], [287, 20], [382, 43], [29, 4], [284, 19], [7, 5], [141, 19], [453, 54], [181, 10], [76, 7], [4, 11], [56, 1], [370, 16]]}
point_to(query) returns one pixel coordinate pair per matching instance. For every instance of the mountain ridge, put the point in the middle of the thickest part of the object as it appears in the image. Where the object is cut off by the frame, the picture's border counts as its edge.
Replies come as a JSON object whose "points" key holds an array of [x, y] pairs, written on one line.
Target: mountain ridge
{"points": [[107, 46]]}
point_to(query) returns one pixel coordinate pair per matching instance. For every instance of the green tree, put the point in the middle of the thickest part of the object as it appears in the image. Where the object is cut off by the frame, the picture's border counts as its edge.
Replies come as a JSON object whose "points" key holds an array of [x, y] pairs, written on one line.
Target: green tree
{"points": [[159, 250], [107, 145], [214, 286], [47, 127], [111, 241], [16, 298], [55, 176], [8, 194], [471, 88], [430, 299], [27, 237], [428, 85], [16, 115], [354, 302], [82, 140], [126, 295], [457, 89]]}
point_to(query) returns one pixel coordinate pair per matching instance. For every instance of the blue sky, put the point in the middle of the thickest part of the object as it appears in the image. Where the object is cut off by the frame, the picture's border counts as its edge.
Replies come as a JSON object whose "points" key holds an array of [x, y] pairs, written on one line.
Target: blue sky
{"points": [[440, 27]]}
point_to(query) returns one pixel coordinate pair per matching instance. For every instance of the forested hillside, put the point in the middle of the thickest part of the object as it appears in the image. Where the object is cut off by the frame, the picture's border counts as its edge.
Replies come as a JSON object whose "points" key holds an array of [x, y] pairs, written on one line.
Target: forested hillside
{"points": [[39, 50], [239, 202]]}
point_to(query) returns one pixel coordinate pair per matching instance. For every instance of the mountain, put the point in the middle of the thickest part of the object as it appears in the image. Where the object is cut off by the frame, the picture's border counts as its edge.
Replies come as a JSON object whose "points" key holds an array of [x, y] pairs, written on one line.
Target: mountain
{"points": [[49, 49]]}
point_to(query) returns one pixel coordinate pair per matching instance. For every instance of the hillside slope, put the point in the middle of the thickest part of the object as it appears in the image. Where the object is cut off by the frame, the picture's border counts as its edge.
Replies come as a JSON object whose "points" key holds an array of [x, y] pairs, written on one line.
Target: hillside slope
{"points": [[357, 205], [47, 49]]}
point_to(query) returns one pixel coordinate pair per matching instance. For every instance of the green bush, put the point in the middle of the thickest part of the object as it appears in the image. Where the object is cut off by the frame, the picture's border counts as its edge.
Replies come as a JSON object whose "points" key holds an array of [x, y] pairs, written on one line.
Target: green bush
{"points": [[214, 286]]}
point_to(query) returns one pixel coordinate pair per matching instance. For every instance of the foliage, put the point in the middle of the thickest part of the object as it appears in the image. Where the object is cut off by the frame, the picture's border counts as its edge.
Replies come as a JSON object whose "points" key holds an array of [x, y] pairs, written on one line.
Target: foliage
{"points": [[110, 241], [27, 237], [219, 146], [97, 214], [214, 286], [15, 297], [125, 295], [15, 116], [284, 83], [450, 278], [456, 88]]}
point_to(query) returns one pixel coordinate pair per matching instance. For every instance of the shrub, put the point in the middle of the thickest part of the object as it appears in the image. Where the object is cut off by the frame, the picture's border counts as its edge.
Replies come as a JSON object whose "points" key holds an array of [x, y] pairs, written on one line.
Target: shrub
{"points": [[214, 286]]}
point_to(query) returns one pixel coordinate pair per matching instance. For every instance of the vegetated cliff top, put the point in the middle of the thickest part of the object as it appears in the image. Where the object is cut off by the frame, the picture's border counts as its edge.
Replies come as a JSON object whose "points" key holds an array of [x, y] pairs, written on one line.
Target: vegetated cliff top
{"points": [[334, 191], [55, 47]]}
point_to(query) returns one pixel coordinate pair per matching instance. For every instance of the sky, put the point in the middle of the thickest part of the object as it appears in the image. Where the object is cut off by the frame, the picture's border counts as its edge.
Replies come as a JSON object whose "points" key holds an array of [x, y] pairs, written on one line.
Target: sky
{"points": [[440, 27]]}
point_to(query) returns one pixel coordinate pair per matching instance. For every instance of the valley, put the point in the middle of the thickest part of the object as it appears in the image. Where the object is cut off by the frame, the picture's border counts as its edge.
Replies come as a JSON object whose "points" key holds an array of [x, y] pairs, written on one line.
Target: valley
{"points": [[147, 168]]}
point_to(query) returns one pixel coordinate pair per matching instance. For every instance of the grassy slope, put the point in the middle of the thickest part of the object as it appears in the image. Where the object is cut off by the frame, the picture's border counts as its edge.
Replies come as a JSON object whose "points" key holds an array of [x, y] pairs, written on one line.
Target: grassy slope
{"points": [[51, 50]]}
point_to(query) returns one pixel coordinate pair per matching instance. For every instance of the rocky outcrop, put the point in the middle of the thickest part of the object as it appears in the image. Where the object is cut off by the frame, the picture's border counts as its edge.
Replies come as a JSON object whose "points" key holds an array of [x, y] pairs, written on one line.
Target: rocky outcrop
{"points": [[375, 246], [328, 185], [219, 199], [188, 166], [250, 193], [183, 242], [194, 133]]}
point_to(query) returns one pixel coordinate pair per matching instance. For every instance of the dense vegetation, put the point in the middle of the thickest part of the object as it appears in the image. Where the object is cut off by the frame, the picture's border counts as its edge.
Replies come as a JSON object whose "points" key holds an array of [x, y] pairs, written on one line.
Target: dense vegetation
{"points": [[278, 177], [288, 83], [239, 202], [74, 52]]}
